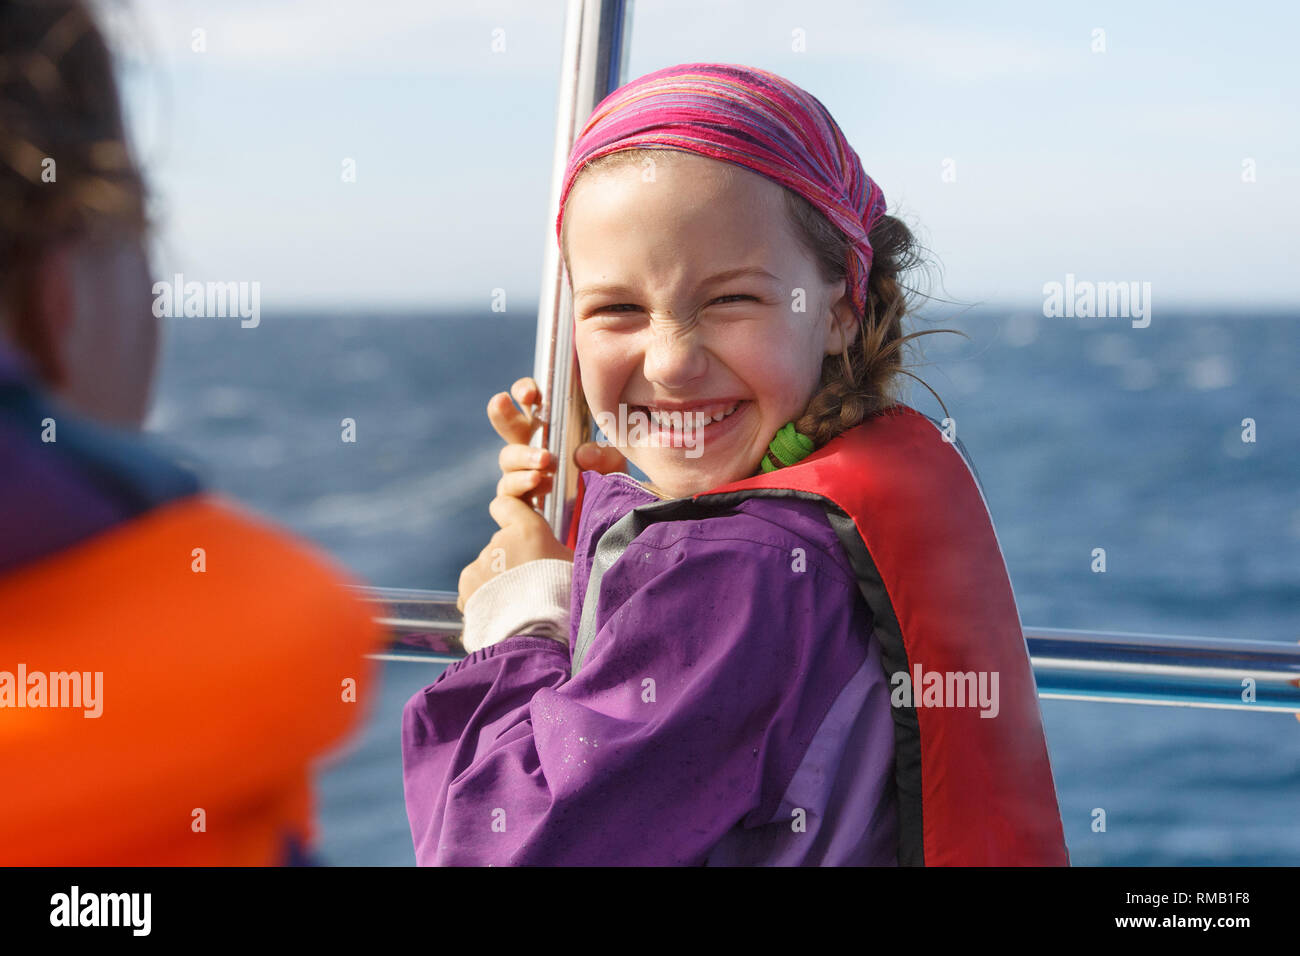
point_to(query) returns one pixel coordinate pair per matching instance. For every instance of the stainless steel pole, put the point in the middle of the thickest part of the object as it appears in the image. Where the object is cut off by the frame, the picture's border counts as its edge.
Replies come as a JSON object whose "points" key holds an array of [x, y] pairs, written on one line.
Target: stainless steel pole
{"points": [[596, 35]]}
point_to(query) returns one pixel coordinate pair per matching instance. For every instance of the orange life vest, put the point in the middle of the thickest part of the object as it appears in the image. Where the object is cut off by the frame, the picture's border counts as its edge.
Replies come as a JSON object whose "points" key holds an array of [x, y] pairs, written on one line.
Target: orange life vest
{"points": [[219, 688]]}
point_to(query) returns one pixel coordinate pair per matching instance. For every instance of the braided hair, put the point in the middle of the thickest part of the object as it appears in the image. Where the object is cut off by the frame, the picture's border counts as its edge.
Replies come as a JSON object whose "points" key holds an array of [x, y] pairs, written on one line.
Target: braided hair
{"points": [[867, 377]]}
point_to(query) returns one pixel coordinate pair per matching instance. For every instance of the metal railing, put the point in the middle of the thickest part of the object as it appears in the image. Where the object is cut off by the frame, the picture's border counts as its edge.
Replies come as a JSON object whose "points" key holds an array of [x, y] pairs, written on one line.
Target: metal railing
{"points": [[1096, 666]]}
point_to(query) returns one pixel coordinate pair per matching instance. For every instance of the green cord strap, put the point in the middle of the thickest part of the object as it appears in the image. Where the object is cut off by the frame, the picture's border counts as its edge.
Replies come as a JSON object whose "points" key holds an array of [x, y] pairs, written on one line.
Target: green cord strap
{"points": [[786, 448]]}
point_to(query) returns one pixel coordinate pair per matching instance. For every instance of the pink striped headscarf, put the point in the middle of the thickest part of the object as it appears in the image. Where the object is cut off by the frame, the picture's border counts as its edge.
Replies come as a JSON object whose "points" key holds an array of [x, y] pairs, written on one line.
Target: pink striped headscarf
{"points": [[750, 117]]}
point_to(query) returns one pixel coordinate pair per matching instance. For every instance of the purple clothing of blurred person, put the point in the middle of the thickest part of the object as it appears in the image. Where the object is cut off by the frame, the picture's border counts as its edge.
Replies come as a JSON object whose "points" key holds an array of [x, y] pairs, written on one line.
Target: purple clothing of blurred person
{"points": [[732, 708]]}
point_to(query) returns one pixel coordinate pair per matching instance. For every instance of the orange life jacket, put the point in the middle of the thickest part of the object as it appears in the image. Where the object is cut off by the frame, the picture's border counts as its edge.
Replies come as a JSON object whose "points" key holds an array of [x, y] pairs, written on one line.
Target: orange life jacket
{"points": [[219, 688]]}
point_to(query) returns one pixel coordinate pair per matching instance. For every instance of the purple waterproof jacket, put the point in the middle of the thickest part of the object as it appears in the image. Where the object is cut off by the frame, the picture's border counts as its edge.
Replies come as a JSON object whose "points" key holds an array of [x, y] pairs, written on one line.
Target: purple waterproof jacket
{"points": [[732, 709]]}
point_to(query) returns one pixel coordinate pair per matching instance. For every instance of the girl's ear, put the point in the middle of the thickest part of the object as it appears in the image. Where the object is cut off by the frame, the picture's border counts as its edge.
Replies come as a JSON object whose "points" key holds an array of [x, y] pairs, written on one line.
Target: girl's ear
{"points": [[843, 331]]}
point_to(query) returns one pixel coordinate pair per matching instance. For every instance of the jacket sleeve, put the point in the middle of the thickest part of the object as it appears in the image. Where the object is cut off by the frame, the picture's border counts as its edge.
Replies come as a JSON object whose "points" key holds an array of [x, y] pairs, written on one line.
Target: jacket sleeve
{"points": [[688, 717], [531, 598]]}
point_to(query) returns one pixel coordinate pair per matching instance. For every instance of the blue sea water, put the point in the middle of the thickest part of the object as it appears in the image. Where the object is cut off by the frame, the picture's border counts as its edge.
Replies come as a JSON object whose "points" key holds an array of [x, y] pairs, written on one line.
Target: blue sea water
{"points": [[1086, 433]]}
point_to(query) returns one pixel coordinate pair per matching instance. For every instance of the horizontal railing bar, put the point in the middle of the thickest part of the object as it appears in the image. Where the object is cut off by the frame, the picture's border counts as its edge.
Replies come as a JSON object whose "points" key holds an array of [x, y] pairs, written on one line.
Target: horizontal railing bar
{"points": [[1079, 665]]}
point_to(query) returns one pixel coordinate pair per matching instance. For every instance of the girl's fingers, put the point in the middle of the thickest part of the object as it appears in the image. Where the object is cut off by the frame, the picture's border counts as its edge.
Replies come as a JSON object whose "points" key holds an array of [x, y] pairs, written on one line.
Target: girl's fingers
{"points": [[526, 392], [592, 456], [524, 458], [512, 424], [514, 427], [524, 484], [506, 511]]}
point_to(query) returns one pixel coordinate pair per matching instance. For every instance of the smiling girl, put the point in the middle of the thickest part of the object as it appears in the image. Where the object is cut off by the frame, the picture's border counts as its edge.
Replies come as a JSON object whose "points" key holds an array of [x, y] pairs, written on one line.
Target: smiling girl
{"points": [[705, 678]]}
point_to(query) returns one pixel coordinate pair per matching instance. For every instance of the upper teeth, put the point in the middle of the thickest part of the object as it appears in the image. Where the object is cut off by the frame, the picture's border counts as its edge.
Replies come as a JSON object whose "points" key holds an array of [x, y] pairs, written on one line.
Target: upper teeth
{"points": [[713, 412]]}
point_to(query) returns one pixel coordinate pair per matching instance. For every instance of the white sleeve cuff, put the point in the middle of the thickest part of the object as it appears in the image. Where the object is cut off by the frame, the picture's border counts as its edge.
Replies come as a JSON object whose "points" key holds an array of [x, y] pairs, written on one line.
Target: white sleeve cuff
{"points": [[531, 598]]}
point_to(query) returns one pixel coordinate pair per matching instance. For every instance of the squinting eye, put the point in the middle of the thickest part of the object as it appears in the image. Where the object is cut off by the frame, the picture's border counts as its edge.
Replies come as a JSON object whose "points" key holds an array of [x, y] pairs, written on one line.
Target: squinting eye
{"points": [[622, 308]]}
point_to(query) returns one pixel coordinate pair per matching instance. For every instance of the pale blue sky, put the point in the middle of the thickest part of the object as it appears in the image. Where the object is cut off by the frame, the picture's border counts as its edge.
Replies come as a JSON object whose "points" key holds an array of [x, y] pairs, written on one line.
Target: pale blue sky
{"points": [[1123, 165]]}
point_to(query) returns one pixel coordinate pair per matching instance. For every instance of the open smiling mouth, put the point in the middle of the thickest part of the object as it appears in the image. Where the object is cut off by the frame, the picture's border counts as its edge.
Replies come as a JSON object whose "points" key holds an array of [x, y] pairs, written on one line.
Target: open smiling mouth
{"points": [[691, 426]]}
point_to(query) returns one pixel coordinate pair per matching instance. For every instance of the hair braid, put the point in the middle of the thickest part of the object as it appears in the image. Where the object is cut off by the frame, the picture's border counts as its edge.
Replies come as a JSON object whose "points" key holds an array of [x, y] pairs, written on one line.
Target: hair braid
{"points": [[867, 377]]}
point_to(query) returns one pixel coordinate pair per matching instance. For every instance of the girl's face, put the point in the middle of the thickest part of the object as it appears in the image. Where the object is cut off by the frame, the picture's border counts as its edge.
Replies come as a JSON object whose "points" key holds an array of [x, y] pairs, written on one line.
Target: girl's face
{"points": [[692, 294]]}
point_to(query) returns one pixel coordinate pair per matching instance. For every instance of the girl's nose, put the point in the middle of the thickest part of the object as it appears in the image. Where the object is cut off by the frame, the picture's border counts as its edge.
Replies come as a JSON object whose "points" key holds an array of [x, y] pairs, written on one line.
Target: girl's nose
{"points": [[674, 358]]}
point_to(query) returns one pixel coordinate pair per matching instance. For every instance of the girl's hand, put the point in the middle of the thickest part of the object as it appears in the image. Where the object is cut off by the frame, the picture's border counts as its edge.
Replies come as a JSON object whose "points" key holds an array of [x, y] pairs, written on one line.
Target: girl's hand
{"points": [[526, 472], [524, 536]]}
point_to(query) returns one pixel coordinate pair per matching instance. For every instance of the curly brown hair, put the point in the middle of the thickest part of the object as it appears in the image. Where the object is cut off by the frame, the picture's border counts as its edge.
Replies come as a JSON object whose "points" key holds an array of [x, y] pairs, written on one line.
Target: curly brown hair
{"points": [[867, 377], [65, 168]]}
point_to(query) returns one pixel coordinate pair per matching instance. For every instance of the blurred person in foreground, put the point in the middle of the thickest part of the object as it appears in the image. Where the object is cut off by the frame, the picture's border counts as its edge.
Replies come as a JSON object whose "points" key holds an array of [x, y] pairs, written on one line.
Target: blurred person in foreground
{"points": [[170, 666]]}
